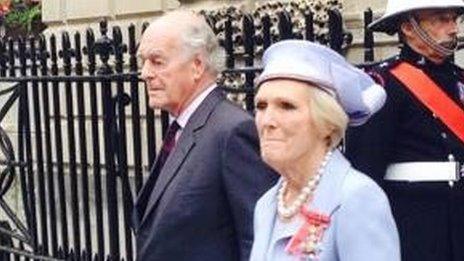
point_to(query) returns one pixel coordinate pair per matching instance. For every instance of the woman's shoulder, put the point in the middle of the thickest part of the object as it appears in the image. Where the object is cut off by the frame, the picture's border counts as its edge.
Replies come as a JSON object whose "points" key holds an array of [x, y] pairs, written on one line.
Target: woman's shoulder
{"points": [[365, 226], [359, 185]]}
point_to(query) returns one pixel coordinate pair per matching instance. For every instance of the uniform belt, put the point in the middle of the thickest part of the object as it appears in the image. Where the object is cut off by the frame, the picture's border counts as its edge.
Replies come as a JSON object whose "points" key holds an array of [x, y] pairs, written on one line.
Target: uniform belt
{"points": [[429, 171]]}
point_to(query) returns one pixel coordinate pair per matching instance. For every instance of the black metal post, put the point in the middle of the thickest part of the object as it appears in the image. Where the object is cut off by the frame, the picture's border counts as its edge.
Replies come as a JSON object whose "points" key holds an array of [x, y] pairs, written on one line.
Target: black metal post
{"points": [[21, 152], [67, 53], [135, 110], [3, 58], [285, 26], [368, 37], [122, 99], [249, 44], [59, 149], [229, 44], [105, 47], [90, 41], [43, 57], [309, 25], [81, 117], [25, 133], [335, 30], [39, 150], [267, 39]]}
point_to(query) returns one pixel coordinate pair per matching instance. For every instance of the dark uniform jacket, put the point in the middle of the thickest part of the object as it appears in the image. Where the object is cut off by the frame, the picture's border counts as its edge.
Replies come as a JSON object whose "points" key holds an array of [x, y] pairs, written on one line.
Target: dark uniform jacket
{"points": [[429, 215]]}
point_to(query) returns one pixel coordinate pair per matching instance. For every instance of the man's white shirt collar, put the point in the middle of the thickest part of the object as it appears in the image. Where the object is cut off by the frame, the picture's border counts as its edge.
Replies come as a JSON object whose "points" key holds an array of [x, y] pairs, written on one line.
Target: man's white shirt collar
{"points": [[192, 107]]}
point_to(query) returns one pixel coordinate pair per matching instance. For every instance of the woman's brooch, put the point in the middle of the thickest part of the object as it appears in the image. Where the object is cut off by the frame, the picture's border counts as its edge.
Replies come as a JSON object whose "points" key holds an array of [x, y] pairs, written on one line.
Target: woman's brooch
{"points": [[307, 240]]}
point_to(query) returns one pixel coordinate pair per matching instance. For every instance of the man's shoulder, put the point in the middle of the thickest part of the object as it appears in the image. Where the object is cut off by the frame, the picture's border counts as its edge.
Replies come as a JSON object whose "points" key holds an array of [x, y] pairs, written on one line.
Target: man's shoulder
{"points": [[380, 71], [227, 118], [216, 108], [384, 66], [231, 111]]}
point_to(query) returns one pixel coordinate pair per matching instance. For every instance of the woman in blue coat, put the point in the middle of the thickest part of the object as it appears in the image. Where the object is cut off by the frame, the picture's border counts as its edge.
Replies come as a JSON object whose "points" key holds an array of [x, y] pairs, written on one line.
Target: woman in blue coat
{"points": [[321, 208]]}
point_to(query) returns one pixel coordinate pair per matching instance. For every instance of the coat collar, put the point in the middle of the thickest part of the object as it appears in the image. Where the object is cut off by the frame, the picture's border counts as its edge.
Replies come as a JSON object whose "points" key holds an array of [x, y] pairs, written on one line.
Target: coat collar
{"points": [[328, 194], [183, 147], [419, 60]]}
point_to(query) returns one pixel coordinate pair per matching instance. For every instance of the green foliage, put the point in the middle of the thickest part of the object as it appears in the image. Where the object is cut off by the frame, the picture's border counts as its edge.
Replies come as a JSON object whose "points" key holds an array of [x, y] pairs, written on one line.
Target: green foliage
{"points": [[23, 17]]}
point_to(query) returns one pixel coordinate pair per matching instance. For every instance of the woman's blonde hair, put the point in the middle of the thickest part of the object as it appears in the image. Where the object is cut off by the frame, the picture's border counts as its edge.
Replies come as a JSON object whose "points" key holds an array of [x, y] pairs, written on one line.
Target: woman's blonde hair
{"points": [[328, 116]]}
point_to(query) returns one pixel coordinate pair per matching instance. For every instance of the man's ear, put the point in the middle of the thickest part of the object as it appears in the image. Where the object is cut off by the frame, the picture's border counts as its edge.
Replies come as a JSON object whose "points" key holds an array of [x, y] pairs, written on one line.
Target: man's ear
{"points": [[199, 66]]}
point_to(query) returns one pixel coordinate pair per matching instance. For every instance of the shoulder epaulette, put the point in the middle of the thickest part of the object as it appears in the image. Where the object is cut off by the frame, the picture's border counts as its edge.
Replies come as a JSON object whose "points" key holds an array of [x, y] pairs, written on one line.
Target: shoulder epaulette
{"points": [[389, 63], [378, 70]]}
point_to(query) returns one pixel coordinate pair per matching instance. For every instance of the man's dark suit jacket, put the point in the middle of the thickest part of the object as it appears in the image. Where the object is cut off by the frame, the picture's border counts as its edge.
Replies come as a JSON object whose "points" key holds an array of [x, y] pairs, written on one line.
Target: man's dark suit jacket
{"points": [[201, 207]]}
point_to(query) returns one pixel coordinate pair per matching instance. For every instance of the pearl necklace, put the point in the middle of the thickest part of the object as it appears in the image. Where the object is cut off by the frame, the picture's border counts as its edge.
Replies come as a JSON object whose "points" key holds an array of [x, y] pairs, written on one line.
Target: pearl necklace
{"points": [[285, 212]]}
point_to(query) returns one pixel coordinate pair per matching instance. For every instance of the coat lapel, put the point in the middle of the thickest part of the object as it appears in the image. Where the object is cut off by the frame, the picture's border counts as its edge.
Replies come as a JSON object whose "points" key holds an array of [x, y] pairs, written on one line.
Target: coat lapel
{"points": [[328, 193], [327, 197], [182, 149], [266, 215], [142, 196]]}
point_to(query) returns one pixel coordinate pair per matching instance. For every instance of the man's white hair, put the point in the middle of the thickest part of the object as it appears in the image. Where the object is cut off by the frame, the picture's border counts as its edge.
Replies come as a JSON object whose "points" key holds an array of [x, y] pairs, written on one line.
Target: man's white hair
{"points": [[197, 37]]}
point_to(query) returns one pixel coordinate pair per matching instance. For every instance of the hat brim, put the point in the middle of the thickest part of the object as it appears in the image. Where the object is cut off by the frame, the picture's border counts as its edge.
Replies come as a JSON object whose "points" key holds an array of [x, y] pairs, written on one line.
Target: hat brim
{"points": [[390, 23], [296, 77]]}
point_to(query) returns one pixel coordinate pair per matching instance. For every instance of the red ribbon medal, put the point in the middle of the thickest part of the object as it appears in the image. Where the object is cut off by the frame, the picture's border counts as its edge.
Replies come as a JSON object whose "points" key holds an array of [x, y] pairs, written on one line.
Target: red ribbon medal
{"points": [[307, 240]]}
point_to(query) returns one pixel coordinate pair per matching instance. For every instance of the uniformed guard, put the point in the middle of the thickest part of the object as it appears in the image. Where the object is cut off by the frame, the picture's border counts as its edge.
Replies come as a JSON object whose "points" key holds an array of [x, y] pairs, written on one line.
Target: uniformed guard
{"points": [[414, 147]]}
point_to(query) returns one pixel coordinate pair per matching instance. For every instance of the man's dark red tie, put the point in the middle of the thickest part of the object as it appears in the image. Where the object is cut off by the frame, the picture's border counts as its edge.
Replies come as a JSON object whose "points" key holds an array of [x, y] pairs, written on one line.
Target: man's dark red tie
{"points": [[168, 144]]}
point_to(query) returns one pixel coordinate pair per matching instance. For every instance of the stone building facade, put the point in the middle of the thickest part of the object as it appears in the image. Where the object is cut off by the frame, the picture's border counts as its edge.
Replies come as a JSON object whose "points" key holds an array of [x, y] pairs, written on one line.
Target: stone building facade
{"points": [[79, 14]]}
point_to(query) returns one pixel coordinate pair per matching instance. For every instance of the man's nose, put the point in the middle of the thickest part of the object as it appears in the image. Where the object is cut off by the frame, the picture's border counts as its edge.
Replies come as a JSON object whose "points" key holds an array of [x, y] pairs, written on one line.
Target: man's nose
{"points": [[268, 118], [146, 73], [453, 25], [454, 29]]}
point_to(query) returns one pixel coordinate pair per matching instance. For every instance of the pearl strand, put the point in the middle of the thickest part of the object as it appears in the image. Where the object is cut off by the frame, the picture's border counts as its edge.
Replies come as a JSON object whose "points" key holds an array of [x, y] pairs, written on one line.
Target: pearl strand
{"points": [[307, 191]]}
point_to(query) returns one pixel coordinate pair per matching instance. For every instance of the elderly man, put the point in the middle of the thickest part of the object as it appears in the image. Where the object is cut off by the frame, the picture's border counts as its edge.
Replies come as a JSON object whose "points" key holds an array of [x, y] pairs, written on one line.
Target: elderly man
{"points": [[414, 146], [198, 202]]}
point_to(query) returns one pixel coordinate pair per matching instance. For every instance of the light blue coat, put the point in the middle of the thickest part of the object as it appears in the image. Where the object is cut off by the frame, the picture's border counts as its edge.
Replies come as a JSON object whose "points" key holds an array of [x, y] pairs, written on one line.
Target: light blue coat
{"points": [[361, 223]]}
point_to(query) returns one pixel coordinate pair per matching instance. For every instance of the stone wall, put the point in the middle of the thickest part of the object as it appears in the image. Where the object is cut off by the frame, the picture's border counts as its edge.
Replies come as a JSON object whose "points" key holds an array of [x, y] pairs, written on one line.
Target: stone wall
{"points": [[80, 14]]}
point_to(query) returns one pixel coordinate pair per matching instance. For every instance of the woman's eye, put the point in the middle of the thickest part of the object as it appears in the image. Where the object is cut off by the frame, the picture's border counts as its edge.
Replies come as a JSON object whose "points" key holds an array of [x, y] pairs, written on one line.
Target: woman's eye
{"points": [[260, 106], [287, 106]]}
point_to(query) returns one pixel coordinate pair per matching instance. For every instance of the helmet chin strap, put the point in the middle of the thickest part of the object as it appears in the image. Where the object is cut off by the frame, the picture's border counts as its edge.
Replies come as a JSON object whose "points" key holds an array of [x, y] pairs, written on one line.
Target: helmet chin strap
{"points": [[442, 50]]}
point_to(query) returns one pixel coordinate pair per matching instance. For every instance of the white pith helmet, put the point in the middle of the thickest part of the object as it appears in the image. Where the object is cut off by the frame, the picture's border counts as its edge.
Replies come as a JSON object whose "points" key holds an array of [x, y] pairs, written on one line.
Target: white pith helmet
{"points": [[388, 23]]}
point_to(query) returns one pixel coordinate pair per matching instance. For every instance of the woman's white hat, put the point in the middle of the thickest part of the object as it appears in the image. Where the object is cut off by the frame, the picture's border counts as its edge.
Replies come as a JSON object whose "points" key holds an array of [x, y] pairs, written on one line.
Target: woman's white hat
{"points": [[301, 60], [388, 23]]}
